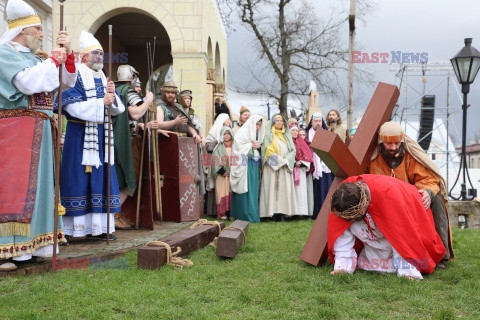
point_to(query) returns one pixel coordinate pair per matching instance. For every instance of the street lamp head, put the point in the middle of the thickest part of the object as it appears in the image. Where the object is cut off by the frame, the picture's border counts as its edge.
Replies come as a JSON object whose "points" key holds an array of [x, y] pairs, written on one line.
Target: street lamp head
{"points": [[466, 63]]}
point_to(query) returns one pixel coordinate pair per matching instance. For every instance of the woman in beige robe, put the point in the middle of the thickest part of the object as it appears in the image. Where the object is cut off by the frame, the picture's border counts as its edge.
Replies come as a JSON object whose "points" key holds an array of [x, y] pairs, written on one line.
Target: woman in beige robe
{"points": [[277, 192]]}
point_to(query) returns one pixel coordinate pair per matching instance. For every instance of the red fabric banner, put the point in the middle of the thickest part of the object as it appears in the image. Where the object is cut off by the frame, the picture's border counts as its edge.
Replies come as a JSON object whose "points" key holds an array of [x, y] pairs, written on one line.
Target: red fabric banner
{"points": [[20, 141]]}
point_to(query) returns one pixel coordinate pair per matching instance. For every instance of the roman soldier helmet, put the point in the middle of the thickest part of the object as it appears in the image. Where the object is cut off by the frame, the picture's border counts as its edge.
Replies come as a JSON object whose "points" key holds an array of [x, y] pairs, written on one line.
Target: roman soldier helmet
{"points": [[126, 73], [185, 93], [136, 83], [391, 132], [169, 86]]}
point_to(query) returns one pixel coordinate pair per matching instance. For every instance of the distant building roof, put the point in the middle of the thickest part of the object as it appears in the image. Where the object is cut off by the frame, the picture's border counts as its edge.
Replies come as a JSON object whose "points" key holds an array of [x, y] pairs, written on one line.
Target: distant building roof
{"points": [[259, 103], [474, 148]]}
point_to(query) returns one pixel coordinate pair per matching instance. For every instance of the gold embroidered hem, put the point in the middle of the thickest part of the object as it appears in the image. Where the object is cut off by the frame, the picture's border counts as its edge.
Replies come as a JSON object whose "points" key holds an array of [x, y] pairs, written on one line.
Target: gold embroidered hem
{"points": [[12, 250], [8, 229]]}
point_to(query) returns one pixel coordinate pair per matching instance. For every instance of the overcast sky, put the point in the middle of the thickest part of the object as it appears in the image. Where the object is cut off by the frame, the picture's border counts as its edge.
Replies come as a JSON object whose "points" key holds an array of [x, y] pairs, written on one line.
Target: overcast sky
{"points": [[437, 27]]}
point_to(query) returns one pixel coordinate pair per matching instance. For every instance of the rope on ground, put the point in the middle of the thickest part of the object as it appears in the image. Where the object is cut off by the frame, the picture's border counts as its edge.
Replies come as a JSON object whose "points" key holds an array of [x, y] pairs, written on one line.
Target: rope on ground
{"points": [[205, 221], [238, 229], [244, 238], [172, 259]]}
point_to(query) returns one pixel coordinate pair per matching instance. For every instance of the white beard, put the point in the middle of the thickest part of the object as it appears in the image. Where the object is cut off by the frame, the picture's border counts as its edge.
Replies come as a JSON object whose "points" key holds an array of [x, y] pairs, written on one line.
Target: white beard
{"points": [[33, 43], [97, 66]]}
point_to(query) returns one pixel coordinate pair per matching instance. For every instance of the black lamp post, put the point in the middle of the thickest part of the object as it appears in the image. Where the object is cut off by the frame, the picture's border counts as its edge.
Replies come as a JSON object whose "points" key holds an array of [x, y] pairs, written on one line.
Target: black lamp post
{"points": [[466, 65]]}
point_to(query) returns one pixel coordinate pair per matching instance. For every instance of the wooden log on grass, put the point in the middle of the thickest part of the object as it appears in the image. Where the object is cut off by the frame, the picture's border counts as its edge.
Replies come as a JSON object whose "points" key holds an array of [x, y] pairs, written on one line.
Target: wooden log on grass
{"points": [[189, 240], [231, 239]]}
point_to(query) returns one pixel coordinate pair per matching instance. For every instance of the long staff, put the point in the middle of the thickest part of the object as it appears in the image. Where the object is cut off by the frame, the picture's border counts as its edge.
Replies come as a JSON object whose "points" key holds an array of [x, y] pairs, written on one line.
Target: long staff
{"points": [[57, 151], [109, 131], [156, 160], [140, 176], [149, 137], [140, 173], [160, 210]]}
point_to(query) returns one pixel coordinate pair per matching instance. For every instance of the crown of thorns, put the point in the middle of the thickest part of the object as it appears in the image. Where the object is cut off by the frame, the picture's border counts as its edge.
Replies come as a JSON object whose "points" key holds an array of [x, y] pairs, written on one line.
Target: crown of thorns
{"points": [[356, 211]]}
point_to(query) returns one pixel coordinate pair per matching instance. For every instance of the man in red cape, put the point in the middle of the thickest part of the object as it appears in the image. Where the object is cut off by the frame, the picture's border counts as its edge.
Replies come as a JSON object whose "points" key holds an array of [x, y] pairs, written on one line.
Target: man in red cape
{"points": [[379, 223]]}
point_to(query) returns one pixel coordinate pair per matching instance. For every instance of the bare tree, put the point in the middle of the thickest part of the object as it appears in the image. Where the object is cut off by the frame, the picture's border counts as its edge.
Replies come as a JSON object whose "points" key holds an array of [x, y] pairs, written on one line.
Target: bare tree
{"points": [[294, 46], [476, 136]]}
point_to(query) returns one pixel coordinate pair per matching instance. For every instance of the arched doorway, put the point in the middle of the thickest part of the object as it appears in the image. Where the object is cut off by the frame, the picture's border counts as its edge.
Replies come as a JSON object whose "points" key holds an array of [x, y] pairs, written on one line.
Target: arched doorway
{"points": [[210, 63], [131, 32], [218, 64]]}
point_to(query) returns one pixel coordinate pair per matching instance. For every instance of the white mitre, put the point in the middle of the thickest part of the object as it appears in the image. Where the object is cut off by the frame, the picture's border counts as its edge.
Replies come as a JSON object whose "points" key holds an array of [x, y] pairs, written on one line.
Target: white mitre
{"points": [[88, 42], [19, 16]]}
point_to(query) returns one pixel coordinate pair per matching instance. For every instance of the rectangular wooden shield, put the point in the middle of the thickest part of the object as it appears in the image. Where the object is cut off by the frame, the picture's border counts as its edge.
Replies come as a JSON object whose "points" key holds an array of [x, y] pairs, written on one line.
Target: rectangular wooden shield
{"points": [[181, 199]]}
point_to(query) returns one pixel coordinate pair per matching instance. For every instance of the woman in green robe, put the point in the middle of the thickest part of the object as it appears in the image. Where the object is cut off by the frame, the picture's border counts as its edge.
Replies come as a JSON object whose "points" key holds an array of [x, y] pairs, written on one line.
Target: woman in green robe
{"points": [[245, 169]]}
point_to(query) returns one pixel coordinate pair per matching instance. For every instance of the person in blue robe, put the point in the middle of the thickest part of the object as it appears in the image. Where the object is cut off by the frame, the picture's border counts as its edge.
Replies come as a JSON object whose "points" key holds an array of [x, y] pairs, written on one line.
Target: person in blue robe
{"points": [[84, 172]]}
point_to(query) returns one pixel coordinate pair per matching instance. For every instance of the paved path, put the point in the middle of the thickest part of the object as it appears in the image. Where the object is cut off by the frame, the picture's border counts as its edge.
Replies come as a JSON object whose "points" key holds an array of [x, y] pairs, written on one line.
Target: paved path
{"points": [[94, 250], [126, 239]]}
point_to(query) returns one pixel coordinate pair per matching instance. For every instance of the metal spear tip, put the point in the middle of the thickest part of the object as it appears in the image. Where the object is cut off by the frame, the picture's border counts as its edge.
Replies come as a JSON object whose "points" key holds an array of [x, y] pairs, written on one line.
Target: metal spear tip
{"points": [[110, 27]]}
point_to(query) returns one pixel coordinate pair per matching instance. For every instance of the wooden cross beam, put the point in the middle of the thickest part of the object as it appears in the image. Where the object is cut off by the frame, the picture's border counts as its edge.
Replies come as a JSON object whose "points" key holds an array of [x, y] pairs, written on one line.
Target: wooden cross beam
{"points": [[347, 161], [231, 239], [189, 240]]}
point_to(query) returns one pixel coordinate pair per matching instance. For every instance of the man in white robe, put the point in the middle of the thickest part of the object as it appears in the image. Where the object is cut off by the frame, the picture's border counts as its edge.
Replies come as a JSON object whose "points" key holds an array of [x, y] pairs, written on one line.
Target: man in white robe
{"points": [[376, 255], [84, 191], [26, 109]]}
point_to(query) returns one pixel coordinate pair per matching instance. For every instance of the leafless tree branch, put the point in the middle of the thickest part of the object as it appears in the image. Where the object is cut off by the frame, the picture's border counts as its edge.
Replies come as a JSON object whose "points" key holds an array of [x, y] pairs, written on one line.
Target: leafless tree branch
{"points": [[294, 46]]}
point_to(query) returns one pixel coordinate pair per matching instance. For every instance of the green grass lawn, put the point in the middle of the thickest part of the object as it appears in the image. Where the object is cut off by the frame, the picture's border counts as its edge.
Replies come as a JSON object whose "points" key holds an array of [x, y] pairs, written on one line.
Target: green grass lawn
{"points": [[265, 281]]}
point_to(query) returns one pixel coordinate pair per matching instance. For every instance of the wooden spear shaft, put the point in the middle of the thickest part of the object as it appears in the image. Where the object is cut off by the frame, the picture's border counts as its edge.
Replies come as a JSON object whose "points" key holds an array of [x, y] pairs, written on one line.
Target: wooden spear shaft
{"points": [[109, 132], [57, 152], [149, 138], [140, 175], [159, 189], [155, 162]]}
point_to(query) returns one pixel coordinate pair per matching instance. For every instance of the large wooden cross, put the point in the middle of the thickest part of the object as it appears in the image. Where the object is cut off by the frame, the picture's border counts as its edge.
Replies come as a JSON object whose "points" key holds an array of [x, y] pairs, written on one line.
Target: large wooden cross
{"points": [[347, 161]]}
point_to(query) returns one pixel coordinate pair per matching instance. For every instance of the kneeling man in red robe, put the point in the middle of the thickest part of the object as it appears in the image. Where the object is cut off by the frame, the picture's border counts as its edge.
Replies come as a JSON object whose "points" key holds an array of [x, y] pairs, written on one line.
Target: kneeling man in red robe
{"points": [[379, 223]]}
